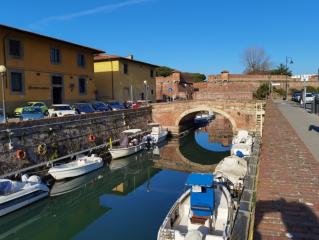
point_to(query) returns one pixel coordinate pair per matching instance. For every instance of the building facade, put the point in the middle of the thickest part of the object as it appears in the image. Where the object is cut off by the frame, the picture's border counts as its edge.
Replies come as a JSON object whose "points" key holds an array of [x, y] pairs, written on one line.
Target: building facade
{"points": [[41, 68], [176, 86], [124, 79]]}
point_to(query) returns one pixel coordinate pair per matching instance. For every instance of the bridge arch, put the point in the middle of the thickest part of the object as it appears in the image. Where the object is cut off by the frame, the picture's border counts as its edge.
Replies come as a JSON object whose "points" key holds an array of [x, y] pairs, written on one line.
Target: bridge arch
{"points": [[209, 109]]}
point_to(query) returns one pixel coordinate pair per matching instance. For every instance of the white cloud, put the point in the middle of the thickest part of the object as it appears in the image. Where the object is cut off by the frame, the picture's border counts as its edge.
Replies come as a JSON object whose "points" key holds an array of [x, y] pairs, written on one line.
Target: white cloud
{"points": [[101, 9]]}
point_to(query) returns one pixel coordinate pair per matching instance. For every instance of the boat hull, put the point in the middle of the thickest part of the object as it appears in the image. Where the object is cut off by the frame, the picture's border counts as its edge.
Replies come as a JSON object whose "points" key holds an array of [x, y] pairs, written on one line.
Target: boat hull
{"points": [[123, 152], [60, 173], [20, 199]]}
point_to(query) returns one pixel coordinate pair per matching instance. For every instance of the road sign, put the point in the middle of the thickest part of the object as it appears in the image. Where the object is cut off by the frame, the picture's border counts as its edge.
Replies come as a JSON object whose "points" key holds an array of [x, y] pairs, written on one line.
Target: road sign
{"points": [[170, 89]]}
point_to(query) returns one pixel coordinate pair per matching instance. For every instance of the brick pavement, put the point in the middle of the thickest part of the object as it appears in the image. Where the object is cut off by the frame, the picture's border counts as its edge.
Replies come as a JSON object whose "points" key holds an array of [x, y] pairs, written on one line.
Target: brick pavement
{"points": [[288, 185]]}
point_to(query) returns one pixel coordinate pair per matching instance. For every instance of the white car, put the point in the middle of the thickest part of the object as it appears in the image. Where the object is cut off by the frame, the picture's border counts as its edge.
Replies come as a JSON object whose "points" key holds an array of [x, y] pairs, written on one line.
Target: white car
{"points": [[61, 110]]}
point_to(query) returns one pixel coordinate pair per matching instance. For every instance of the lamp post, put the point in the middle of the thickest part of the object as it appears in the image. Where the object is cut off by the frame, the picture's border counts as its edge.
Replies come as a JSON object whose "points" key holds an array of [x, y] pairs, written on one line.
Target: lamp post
{"points": [[146, 94], [288, 59], [3, 71]]}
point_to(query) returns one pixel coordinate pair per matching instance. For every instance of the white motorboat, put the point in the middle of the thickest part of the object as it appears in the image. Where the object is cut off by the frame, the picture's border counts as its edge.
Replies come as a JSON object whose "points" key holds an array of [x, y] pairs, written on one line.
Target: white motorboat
{"points": [[16, 194], [82, 165], [206, 211], [158, 133], [203, 117], [241, 150], [130, 143], [232, 171], [243, 137]]}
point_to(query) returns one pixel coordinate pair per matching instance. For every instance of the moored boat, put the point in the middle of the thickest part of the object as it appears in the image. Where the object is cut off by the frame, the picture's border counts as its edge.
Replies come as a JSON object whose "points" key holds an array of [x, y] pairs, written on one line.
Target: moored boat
{"points": [[82, 165], [130, 143], [232, 171], [17, 194], [158, 134], [243, 137], [241, 150], [205, 211]]}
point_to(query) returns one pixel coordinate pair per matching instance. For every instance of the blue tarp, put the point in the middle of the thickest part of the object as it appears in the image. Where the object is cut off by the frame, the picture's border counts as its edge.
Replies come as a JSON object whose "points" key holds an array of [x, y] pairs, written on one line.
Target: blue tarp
{"points": [[202, 200], [200, 179]]}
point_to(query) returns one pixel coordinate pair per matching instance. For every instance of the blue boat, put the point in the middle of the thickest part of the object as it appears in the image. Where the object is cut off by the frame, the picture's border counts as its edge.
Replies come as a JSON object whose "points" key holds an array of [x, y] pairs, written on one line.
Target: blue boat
{"points": [[205, 211]]}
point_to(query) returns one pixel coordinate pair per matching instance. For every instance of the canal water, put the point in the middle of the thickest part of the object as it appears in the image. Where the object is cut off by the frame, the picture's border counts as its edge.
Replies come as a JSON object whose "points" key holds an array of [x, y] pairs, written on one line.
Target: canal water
{"points": [[127, 200]]}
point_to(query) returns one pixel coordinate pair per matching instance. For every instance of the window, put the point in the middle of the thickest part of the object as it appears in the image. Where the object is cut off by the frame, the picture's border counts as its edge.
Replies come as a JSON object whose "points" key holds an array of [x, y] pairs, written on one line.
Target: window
{"points": [[15, 49], [152, 73], [16, 82], [125, 68], [81, 60], [82, 86], [55, 55], [152, 91]]}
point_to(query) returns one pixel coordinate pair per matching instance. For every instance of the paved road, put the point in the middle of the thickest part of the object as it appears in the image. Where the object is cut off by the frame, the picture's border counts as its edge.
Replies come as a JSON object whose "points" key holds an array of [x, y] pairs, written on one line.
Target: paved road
{"points": [[305, 124]]}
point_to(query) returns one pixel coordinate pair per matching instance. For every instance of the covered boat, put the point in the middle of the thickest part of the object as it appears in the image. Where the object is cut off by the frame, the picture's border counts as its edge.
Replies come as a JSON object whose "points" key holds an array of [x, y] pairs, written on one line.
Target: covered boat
{"points": [[205, 211], [232, 171], [16, 194], [131, 142], [243, 137], [241, 150], [203, 117], [82, 165], [158, 133]]}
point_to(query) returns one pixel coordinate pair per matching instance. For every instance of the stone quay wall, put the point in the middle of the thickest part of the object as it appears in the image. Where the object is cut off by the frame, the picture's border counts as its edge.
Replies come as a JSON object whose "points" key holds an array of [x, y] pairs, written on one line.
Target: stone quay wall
{"points": [[63, 136]]}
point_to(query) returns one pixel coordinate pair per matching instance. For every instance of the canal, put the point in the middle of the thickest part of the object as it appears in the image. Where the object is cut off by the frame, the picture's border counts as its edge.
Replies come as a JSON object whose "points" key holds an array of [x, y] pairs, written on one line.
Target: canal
{"points": [[128, 199]]}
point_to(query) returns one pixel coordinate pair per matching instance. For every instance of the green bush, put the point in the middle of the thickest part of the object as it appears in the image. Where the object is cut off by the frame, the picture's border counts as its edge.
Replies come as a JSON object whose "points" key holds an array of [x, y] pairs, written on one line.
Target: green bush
{"points": [[280, 91], [262, 92]]}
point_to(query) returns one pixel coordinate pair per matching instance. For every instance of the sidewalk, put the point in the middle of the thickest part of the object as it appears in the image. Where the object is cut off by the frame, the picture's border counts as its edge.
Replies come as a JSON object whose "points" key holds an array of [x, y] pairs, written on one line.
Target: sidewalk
{"points": [[305, 124], [287, 204]]}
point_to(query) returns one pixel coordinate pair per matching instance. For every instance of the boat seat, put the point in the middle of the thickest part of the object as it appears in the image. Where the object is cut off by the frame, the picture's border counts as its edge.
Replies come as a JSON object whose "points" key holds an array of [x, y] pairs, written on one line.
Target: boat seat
{"points": [[198, 220]]}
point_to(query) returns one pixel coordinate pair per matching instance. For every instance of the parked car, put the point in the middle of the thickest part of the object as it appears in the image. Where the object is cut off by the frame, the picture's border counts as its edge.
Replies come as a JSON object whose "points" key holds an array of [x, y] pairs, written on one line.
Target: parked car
{"points": [[61, 110], [296, 96], [116, 105], [309, 97], [101, 106], [41, 105], [31, 113], [83, 108]]}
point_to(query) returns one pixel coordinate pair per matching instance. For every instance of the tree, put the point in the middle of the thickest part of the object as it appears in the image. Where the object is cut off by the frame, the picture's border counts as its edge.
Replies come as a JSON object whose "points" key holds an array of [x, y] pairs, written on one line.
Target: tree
{"points": [[197, 77], [164, 71], [255, 61], [281, 70], [262, 91]]}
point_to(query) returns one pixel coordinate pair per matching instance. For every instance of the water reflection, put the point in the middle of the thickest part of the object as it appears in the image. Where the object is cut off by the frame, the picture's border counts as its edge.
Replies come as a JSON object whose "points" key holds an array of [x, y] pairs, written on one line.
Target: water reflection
{"points": [[79, 202]]}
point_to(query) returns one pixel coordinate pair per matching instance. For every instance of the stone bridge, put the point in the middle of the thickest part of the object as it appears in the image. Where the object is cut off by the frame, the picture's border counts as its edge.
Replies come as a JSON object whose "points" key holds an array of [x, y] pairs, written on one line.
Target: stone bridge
{"points": [[243, 114]]}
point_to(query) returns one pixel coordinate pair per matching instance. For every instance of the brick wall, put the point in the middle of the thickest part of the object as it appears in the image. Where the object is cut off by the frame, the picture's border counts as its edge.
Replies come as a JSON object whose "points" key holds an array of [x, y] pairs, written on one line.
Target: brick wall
{"points": [[63, 135]]}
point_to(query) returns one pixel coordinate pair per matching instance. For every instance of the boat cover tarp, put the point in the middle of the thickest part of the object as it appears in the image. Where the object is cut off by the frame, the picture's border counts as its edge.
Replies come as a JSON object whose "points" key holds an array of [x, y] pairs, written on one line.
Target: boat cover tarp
{"points": [[202, 200], [200, 179], [233, 168]]}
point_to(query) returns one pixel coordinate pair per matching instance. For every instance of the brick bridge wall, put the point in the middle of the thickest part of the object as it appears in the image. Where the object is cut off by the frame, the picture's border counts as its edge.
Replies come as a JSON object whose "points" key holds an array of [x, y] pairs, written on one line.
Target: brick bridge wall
{"points": [[63, 136], [241, 113]]}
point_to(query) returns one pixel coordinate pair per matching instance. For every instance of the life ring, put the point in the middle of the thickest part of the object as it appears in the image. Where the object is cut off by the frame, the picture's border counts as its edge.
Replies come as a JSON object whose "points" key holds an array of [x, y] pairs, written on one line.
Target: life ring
{"points": [[20, 154], [91, 138], [42, 149]]}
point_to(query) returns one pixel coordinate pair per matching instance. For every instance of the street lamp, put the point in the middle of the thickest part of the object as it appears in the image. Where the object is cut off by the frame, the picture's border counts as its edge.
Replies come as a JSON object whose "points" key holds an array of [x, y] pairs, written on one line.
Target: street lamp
{"points": [[3, 71], [290, 61], [146, 94]]}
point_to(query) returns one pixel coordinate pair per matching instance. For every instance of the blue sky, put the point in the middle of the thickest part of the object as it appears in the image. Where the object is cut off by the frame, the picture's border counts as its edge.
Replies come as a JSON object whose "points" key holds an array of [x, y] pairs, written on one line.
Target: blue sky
{"points": [[191, 35]]}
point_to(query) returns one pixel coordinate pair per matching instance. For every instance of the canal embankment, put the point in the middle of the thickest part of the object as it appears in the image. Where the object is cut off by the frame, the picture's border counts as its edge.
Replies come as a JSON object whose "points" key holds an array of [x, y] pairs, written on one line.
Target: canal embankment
{"points": [[287, 205], [29, 143]]}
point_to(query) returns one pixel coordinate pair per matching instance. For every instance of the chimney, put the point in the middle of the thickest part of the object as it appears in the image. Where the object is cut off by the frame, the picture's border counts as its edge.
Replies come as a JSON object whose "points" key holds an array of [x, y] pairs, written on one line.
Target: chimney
{"points": [[131, 57]]}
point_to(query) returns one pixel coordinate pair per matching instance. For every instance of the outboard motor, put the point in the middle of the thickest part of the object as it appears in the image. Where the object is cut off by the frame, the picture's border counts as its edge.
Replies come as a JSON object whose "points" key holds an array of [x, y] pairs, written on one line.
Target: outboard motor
{"points": [[149, 141]]}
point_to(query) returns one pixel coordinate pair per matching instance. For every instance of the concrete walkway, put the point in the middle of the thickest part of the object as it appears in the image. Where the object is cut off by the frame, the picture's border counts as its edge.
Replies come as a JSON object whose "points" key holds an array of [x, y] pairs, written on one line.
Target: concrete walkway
{"points": [[305, 124], [287, 205]]}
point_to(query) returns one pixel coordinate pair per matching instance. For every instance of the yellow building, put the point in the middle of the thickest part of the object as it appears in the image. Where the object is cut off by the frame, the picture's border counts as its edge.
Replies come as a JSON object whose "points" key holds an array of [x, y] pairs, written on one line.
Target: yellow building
{"points": [[41, 68], [123, 79]]}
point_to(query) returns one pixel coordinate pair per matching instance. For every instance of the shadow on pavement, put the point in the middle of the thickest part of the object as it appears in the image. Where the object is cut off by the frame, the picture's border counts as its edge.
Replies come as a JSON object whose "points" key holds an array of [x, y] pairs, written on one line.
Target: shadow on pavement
{"points": [[313, 127], [299, 220]]}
